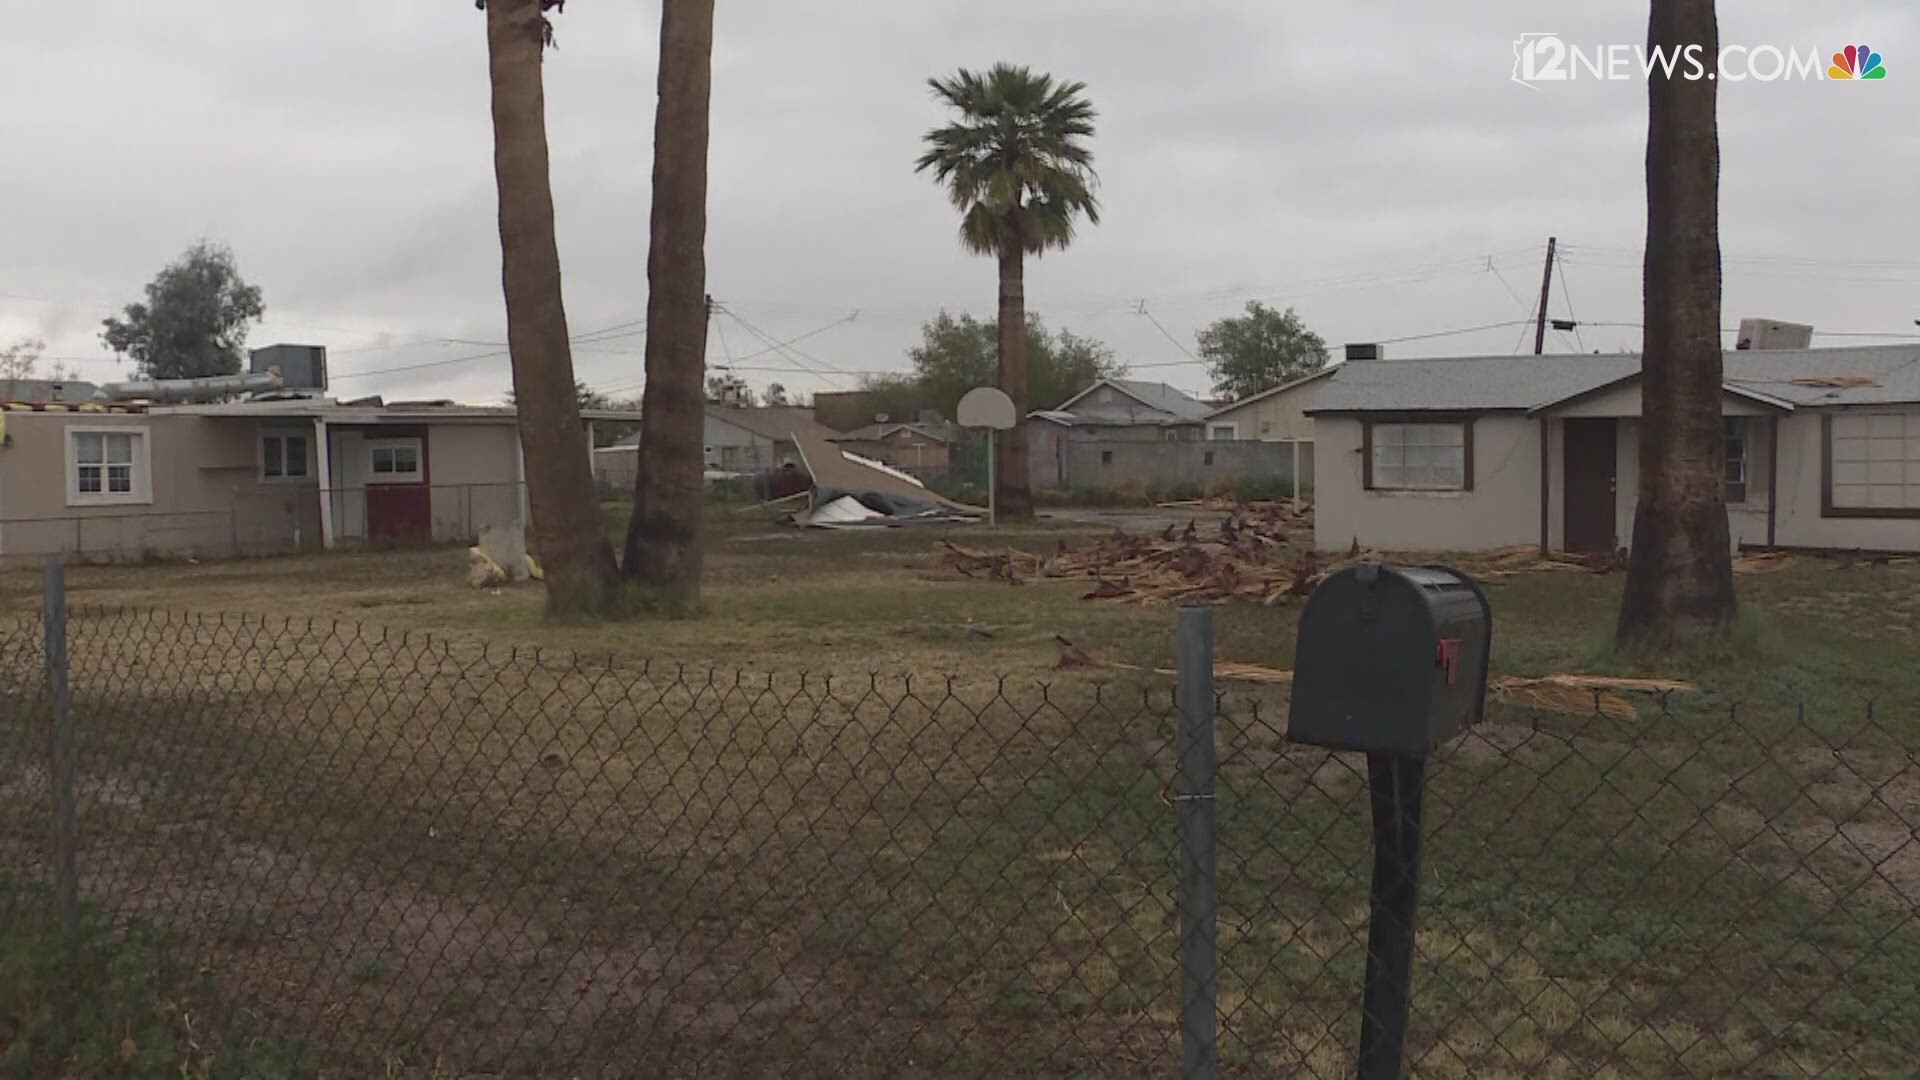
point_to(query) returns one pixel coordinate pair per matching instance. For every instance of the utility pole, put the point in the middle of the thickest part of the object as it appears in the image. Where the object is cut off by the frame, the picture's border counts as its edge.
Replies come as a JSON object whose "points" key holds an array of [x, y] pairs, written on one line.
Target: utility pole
{"points": [[1546, 285]]}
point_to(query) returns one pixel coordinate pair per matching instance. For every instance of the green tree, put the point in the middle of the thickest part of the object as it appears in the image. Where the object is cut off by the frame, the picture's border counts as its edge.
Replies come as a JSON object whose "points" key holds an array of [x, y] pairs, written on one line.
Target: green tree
{"points": [[194, 320], [957, 354], [585, 397], [1259, 350], [1016, 164], [776, 394], [571, 539], [1680, 575]]}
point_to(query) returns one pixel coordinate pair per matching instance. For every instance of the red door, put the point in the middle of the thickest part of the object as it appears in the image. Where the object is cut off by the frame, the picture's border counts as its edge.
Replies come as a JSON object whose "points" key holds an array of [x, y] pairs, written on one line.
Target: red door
{"points": [[399, 501]]}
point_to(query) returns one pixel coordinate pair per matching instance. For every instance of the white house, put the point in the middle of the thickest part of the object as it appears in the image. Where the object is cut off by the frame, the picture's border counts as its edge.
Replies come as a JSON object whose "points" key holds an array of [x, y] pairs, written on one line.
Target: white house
{"points": [[1822, 451]]}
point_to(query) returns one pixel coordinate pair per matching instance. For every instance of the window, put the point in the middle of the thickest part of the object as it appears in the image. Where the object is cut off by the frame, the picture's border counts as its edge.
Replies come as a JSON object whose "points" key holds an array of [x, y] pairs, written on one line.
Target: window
{"points": [[1736, 476], [1106, 457], [1207, 458], [107, 466], [283, 455], [1873, 465], [393, 461], [1224, 432], [1418, 456]]}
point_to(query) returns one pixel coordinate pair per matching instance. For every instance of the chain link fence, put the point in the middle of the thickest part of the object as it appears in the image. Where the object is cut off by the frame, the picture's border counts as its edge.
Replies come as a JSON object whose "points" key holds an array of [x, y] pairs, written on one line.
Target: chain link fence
{"points": [[411, 855]]}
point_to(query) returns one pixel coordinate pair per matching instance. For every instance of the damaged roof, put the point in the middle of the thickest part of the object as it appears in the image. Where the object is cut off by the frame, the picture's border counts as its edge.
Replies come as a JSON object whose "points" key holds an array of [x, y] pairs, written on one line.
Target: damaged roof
{"points": [[1864, 375]]}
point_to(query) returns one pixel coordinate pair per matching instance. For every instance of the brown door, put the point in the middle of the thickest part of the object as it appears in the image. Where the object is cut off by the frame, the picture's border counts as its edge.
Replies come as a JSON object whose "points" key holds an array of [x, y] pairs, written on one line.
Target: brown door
{"points": [[1592, 475]]}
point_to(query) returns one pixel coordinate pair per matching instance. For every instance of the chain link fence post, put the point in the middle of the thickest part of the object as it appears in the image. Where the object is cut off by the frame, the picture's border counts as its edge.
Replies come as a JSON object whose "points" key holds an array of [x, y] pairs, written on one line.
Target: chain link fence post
{"points": [[1198, 899], [66, 877]]}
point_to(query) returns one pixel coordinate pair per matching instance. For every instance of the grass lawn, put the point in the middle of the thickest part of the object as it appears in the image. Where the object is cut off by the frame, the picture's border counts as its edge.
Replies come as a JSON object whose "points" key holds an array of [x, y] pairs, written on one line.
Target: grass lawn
{"points": [[438, 859]]}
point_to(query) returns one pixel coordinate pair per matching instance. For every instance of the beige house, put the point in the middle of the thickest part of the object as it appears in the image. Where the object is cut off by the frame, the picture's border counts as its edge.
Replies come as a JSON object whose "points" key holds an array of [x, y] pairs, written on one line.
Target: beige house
{"points": [[1276, 415], [1822, 451], [125, 481]]}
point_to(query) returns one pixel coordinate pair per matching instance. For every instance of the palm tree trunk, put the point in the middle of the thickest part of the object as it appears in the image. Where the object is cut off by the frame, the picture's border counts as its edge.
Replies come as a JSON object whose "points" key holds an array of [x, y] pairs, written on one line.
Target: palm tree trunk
{"points": [[1013, 496], [568, 533], [1680, 578], [663, 537]]}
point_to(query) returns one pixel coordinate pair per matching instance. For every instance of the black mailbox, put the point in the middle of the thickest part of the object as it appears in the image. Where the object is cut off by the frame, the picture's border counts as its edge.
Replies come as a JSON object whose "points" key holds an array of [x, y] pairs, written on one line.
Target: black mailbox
{"points": [[1390, 660]]}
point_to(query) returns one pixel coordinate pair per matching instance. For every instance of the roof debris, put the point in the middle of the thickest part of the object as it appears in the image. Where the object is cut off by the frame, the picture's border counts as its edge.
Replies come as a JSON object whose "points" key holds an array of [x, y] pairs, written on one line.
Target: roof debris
{"points": [[852, 492]]}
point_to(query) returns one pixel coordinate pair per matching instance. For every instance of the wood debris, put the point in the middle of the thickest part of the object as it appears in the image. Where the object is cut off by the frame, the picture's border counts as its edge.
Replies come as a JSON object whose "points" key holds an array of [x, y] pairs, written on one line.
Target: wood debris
{"points": [[1834, 382], [1600, 696]]}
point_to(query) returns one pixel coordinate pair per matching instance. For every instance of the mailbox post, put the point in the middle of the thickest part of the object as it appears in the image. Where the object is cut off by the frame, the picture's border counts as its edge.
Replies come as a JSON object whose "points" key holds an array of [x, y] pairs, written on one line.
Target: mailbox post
{"points": [[1392, 662]]}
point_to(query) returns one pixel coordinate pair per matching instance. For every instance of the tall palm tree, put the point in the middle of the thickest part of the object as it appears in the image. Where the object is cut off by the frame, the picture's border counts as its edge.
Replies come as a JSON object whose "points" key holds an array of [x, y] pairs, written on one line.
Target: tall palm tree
{"points": [[568, 534], [1680, 578], [1016, 163], [663, 536]]}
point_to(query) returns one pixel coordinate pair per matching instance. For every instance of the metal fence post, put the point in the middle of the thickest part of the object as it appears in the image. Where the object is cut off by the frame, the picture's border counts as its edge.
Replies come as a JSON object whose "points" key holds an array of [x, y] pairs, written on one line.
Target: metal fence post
{"points": [[66, 876], [1198, 899]]}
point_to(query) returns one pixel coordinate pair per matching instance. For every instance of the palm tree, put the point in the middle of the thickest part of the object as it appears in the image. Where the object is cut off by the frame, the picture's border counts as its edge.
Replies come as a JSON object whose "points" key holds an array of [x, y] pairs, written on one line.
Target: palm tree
{"points": [[1680, 578], [663, 536], [1016, 164], [568, 533]]}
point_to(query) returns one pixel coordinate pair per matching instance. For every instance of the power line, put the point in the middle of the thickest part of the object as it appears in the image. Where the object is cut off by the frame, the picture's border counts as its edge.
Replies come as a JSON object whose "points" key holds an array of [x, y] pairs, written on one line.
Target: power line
{"points": [[1163, 333], [786, 349]]}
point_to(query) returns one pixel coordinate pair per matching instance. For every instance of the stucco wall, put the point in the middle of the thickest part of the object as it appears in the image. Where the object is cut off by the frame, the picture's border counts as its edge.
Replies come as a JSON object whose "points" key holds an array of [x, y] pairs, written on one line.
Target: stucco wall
{"points": [[1502, 510], [1800, 523], [1106, 465], [475, 478], [206, 495]]}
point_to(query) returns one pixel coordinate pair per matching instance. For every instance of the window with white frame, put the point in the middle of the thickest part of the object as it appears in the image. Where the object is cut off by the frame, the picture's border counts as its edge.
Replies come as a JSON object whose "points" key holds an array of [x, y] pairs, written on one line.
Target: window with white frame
{"points": [[1874, 464], [393, 461], [1224, 432], [1736, 472], [1419, 457], [107, 466], [284, 455]]}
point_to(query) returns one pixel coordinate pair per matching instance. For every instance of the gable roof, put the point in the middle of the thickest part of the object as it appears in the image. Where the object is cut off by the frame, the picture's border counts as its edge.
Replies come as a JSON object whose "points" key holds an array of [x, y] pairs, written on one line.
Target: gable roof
{"points": [[1886, 375], [1154, 395], [1290, 384], [876, 432]]}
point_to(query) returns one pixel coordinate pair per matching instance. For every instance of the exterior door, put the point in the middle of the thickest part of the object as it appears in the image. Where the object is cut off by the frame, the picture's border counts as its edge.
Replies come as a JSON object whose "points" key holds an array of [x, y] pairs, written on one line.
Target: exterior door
{"points": [[1592, 477], [399, 503], [349, 494]]}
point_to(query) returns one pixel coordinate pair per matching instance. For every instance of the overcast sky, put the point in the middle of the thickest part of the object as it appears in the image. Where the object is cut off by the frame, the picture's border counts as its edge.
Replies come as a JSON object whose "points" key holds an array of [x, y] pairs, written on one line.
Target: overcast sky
{"points": [[1372, 165]]}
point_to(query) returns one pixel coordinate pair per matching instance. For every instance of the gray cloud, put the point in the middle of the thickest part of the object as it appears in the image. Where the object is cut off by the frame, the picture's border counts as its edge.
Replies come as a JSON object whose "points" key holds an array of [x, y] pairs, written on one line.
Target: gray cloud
{"points": [[1356, 161]]}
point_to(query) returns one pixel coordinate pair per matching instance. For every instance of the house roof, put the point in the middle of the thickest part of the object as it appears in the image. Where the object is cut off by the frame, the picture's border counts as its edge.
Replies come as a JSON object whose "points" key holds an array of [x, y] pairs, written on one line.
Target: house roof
{"points": [[1270, 392], [777, 422], [48, 391], [1866, 375], [1154, 395]]}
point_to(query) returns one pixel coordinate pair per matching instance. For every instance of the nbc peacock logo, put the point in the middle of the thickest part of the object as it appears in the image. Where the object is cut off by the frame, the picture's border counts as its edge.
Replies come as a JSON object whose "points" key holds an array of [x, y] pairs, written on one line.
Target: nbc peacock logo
{"points": [[1856, 62]]}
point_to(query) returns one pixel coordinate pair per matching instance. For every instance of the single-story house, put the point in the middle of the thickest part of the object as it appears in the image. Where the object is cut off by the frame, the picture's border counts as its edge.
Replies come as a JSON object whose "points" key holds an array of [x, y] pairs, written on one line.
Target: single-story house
{"points": [[1822, 451], [1109, 411], [1278, 414], [738, 439], [920, 450], [253, 476]]}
